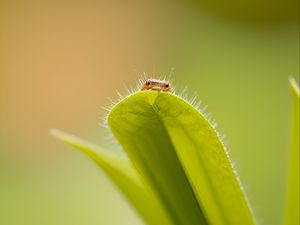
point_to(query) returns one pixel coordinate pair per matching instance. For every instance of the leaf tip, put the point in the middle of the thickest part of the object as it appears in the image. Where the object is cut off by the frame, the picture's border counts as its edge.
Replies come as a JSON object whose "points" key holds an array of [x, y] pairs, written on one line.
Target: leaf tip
{"points": [[294, 85], [60, 135], [55, 132]]}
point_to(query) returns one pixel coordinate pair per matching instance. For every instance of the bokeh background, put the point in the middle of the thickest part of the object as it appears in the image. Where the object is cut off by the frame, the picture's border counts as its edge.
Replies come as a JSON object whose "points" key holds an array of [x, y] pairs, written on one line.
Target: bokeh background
{"points": [[61, 61]]}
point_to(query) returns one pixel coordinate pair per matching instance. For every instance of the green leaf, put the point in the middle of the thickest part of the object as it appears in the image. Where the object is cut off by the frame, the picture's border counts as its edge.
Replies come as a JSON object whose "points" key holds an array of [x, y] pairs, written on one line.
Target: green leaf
{"points": [[181, 157], [292, 207], [120, 170]]}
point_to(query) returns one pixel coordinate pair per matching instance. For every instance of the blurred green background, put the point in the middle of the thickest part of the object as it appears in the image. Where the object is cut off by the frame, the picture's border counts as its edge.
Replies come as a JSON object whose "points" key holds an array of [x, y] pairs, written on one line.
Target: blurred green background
{"points": [[61, 60]]}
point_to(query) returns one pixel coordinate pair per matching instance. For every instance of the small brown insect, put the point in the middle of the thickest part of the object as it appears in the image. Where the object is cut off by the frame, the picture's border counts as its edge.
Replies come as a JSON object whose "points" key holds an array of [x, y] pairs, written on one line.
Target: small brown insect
{"points": [[156, 85]]}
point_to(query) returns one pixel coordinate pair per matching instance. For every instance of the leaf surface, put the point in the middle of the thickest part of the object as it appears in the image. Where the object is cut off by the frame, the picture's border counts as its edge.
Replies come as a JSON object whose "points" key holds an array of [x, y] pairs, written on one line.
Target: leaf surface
{"points": [[181, 158]]}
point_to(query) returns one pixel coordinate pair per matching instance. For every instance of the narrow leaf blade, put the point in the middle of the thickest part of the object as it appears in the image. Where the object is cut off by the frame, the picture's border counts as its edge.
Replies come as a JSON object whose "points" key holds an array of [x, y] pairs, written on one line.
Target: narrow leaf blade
{"points": [[121, 172], [292, 206]]}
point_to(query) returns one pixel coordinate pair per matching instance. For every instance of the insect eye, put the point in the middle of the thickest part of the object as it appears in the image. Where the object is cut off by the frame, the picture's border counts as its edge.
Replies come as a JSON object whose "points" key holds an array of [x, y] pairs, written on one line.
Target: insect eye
{"points": [[148, 82], [166, 85]]}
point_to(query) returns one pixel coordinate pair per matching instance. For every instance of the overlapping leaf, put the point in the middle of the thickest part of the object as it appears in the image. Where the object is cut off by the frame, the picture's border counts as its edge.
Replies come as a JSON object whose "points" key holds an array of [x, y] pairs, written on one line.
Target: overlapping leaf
{"points": [[121, 172]]}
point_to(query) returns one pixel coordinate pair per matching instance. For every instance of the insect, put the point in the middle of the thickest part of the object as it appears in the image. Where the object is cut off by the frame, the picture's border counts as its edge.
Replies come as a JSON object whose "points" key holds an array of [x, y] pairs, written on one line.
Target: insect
{"points": [[156, 85]]}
